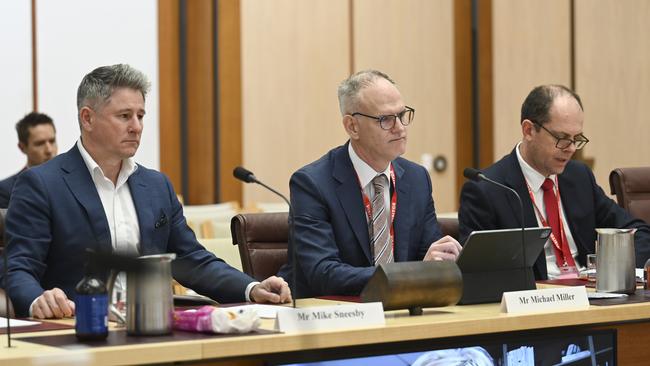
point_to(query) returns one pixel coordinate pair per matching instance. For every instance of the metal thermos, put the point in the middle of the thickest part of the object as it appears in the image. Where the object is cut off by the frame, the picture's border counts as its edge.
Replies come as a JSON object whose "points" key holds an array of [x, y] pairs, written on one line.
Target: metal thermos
{"points": [[149, 299], [615, 261]]}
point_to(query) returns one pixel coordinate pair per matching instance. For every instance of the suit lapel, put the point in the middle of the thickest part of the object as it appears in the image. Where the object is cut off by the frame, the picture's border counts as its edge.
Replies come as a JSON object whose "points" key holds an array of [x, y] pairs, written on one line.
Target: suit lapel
{"points": [[515, 180], [349, 195], [146, 218], [568, 188], [402, 215], [80, 183]]}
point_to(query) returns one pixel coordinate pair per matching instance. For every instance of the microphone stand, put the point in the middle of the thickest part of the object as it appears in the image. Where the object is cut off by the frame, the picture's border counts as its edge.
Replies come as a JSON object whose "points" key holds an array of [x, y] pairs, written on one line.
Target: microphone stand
{"points": [[475, 174], [290, 242], [247, 176]]}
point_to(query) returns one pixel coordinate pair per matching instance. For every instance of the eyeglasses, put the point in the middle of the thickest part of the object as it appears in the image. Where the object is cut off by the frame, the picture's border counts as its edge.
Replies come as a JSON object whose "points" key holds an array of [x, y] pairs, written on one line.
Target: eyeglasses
{"points": [[563, 143], [387, 121]]}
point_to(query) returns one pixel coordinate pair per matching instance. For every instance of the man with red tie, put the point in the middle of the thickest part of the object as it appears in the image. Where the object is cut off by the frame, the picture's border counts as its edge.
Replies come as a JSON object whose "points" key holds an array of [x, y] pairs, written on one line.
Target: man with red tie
{"points": [[556, 191]]}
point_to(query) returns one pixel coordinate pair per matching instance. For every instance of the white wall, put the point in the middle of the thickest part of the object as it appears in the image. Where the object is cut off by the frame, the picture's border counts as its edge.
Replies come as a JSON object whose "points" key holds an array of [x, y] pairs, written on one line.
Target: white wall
{"points": [[76, 36], [15, 79]]}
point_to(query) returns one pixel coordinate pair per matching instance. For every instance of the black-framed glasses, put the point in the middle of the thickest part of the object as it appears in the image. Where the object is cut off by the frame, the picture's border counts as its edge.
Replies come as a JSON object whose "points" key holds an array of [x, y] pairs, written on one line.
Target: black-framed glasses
{"points": [[563, 143], [387, 121]]}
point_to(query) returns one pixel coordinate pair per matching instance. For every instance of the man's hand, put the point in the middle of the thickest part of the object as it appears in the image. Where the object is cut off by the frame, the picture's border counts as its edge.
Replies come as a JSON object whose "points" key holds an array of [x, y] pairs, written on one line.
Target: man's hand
{"points": [[273, 289], [52, 304], [446, 248]]}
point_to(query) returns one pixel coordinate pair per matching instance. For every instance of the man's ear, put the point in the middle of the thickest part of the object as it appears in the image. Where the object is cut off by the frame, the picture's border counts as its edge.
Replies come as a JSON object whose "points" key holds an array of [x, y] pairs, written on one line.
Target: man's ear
{"points": [[527, 127], [22, 147], [351, 126], [86, 116]]}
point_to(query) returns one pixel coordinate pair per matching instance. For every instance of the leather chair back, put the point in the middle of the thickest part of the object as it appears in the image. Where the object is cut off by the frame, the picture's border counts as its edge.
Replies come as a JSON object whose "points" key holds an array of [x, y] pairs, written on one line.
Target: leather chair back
{"points": [[449, 226], [632, 189], [3, 295], [262, 239]]}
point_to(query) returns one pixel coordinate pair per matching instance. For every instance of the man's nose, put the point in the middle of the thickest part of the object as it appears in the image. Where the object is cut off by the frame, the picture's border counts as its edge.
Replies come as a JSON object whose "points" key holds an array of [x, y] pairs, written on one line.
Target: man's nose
{"points": [[135, 125], [50, 148]]}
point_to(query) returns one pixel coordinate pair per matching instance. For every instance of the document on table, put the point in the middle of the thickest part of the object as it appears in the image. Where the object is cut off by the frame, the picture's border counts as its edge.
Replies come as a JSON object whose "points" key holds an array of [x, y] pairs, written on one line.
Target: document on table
{"points": [[16, 323], [263, 311]]}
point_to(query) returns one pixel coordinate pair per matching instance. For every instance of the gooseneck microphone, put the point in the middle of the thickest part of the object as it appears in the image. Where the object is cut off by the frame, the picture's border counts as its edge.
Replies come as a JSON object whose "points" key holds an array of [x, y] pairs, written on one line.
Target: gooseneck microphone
{"points": [[477, 175], [247, 176]]}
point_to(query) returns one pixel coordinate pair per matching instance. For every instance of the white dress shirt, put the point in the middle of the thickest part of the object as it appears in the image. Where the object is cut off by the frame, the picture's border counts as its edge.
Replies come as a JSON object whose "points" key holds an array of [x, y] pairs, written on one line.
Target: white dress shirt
{"points": [[535, 181], [366, 174]]}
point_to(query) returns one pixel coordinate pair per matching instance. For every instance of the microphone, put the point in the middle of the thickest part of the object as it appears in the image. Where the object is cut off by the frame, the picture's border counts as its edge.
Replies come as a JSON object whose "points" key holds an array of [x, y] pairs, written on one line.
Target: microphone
{"points": [[477, 175], [247, 176]]}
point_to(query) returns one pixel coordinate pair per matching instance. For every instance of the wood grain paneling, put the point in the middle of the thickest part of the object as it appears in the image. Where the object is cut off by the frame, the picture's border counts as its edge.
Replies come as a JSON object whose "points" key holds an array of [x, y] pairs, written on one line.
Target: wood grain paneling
{"points": [[200, 102], [294, 54], [531, 46], [412, 41], [170, 150], [230, 103], [612, 74]]}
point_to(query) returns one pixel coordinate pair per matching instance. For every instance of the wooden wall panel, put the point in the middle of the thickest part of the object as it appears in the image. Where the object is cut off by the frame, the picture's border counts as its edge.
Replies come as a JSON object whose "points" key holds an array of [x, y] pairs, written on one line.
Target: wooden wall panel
{"points": [[412, 41], [230, 98], [294, 54], [612, 78], [200, 102], [170, 148], [531, 46]]}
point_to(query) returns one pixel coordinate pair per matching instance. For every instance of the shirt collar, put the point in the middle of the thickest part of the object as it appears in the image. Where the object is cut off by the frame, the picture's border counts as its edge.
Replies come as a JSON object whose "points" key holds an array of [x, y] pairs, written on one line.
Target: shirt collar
{"points": [[364, 171], [534, 178], [128, 166]]}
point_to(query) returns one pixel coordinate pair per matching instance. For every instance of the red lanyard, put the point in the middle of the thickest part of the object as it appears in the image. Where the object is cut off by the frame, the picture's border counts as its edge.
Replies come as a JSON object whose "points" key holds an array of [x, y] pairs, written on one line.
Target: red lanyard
{"points": [[393, 204], [556, 244]]}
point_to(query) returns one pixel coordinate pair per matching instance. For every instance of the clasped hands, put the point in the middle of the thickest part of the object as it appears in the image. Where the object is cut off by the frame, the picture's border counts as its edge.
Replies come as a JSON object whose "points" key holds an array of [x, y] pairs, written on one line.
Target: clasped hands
{"points": [[447, 248]]}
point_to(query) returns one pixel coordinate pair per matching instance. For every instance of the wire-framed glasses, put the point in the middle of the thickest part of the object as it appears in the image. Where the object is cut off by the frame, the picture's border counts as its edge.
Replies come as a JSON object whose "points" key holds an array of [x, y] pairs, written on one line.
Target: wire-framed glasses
{"points": [[562, 142], [387, 121]]}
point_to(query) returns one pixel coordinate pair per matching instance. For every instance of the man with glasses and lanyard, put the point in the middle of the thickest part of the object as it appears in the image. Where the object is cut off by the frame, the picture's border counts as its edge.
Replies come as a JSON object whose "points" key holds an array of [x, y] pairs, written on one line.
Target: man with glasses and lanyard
{"points": [[556, 191], [361, 205]]}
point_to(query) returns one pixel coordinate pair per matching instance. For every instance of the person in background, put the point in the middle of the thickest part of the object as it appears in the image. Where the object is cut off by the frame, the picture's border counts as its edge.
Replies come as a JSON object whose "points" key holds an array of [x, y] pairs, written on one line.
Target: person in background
{"points": [[37, 140]]}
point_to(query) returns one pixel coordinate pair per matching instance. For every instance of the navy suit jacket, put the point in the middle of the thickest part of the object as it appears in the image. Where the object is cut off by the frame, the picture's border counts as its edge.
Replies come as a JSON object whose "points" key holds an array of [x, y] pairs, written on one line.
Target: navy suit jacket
{"points": [[484, 206], [6, 185], [56, 213], [331, 236]]}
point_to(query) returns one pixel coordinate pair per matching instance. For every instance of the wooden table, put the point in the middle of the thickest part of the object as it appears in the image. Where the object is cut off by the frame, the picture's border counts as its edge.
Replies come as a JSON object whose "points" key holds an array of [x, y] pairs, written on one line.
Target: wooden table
{"points": [[442, 327]]}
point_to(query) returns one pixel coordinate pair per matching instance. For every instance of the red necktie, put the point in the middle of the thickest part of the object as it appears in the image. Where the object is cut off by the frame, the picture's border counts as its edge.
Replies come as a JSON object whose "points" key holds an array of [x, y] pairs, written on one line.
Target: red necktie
{"points": [[564, 256]]}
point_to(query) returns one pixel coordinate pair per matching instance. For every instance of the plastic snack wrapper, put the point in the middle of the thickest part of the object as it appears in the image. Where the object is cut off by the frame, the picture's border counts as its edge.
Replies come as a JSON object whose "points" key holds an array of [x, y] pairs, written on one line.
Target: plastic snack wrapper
{"points": [[210, 319]]}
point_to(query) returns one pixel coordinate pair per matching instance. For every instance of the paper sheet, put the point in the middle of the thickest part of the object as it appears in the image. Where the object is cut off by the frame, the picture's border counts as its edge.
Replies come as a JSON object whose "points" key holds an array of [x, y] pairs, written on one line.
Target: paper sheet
{"points": [[16, 323], [263, 311]]}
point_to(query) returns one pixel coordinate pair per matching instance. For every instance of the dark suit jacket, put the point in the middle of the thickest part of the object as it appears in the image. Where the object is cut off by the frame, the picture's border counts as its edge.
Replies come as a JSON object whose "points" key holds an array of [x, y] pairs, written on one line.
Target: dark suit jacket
{"points": [[6, 185], [55, 213], [330, 227], [484, 206]]}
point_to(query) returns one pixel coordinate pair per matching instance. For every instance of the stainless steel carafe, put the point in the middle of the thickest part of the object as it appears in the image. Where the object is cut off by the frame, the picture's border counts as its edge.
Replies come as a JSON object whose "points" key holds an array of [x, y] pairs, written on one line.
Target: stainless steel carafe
{"points": [[615, 261], [149, 299]]}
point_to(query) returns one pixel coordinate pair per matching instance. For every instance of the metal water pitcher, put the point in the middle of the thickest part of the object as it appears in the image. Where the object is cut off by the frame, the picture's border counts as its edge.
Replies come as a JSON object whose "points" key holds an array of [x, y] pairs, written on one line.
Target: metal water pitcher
{"points": [[149, 298], [615, 261]]}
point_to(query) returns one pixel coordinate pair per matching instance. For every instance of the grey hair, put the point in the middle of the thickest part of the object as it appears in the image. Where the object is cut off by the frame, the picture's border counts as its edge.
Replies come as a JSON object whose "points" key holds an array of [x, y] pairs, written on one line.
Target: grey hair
{"points": [[97, 87], [349, 89]]}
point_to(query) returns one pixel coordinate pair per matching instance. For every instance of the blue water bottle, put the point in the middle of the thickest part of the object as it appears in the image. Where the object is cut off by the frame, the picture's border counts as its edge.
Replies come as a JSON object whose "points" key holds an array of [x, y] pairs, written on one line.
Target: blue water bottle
{"points": [[91, 308]]}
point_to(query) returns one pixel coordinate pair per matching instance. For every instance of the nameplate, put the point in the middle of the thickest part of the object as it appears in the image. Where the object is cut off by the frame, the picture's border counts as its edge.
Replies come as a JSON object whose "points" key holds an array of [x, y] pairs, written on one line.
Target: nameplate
{"points": [[330, 317], [551, 299]]}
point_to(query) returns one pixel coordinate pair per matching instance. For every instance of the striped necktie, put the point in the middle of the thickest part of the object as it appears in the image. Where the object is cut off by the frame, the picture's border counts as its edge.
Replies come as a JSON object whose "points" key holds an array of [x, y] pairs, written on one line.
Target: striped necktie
{"points": [[378, 227]]}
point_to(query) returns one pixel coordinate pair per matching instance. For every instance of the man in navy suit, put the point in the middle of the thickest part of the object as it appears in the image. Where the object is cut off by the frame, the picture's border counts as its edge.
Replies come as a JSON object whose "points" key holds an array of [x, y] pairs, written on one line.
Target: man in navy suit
{"points": [[361, 205], [540, 169], [96, 196], [37, 140]]}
